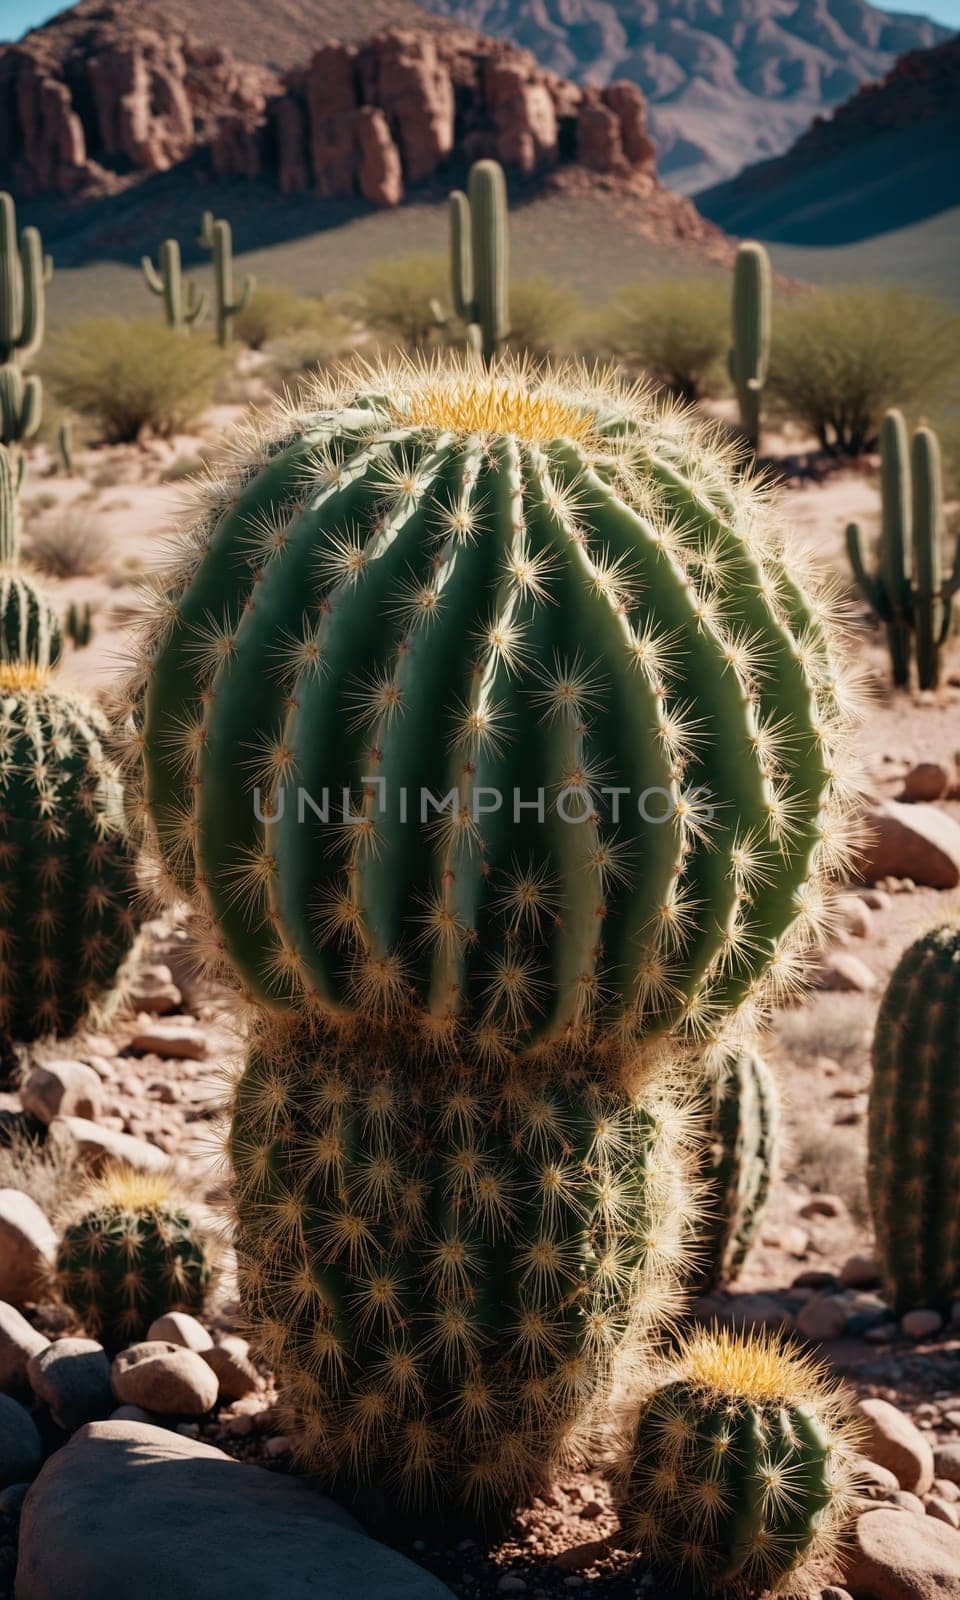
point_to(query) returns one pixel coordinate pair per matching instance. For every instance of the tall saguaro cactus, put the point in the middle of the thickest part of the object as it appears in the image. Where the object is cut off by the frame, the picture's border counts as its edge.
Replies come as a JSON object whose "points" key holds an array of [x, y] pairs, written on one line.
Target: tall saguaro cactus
{"points": [[217, 235], [750, 351], [24, 274], [183, 302], [479, 257], [21, 404], [909, 592]]}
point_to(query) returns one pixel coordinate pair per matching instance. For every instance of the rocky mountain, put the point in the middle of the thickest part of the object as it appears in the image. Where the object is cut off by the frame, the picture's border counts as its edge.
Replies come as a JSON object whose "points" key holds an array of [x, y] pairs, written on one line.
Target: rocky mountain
{"points": [[889, 157], [730, 82]]}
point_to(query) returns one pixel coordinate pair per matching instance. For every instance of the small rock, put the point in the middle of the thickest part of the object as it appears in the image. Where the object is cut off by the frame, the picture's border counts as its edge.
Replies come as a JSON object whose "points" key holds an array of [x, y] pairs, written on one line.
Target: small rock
{"points": [[894, 1442], [61, 1088], [278, 1445], [823, 1205], [945, 1488], [831, 1592], [902, 1558], [154, 990], [793, 1240], [928, 780], [824, 1317], [918, 842], [512, 1583], [943, 1511], [97, 1146], [579, 1556], [755, 1311], [129, 1414], [236, 1374], [852, 915], [921, 1324], [882, 1333], [21, 1448], [18, 1342], [842, 971], [164, 1378], [28, 1248], [173, 1041], [946, 1462], [876, 899], [860, 1272], [876, 1482], [906, 1501], [178, 1327], [73, 1377]]}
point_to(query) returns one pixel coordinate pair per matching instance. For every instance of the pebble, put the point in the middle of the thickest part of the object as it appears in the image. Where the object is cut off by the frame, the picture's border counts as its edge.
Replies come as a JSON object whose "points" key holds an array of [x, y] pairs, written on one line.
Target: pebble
{"points": [[794, 1241], [943, 1511], [860, 1272], [824, 1317], [154, 990], [876, 1482], [173, 1041], [235, 1373], [18, 1342], [61, 1088], [944, 1487], [164, 1378], [895, 1442], [903, 1558], [946, 1462], [72, 1376], [921, 1324], [28, 1248], [178, 1327], [853, 916], [928, 780], [842, 971], [21, 1448], [278, 1445], [98, 1146], [906, 1501]]}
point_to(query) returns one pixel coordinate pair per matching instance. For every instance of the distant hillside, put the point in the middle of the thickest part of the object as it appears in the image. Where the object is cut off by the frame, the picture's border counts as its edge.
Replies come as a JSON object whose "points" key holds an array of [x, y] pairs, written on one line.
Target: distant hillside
{"points": [[730, 82], [888, 158]]}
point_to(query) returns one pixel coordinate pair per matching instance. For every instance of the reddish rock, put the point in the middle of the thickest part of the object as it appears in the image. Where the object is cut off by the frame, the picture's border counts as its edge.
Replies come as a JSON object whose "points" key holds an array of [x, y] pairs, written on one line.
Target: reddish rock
{"points": [[402, 73], [918, 842], [380, 173], [903, 1558]]}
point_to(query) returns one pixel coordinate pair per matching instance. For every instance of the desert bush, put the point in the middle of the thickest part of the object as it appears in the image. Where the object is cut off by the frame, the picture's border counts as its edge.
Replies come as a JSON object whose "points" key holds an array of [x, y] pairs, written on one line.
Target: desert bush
{"points": [[398, 298], [272, 311], [133, 377], [47, 1173], [841, 357], [181, 467], [544, 316], [301, 352], [676, 329], [69, 546]]}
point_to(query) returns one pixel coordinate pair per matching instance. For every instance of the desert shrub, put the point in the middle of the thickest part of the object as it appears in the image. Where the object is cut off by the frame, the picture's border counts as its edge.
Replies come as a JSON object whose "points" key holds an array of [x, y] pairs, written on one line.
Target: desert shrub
{"points": [[272, 311], [131, 377], [69, 546], [399, 298], [841, 357], [544, 316], [47, 1173], [299, 353], [181, 467], [676, 329]]}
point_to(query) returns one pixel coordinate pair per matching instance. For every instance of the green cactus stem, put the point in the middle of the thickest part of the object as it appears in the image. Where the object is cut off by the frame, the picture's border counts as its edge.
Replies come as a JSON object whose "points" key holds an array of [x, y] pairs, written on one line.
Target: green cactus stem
{"points": [[468, 585], [21, 404], [205, 236], [217, 235], [65, 447], [29, 630], [132, 1254], [78, 625], [750, 350], [738, 1120], [24, 275], [446, 1276], [740, 1467], [183, 303], [479, 257], [914, 1115]]}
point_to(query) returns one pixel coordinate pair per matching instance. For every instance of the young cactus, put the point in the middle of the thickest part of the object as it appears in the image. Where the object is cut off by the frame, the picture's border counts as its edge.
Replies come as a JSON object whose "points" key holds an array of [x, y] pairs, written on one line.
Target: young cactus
{"points": [[737, 1119], [217, 235], [479, 257], [914, 1116], [78, 625], [132, 1254], [909, 593], [25, 273], [183, 303], [65, 447], [447, 1275], [21, 404], [438, 617], [29, 630], [740, 1467], [750, 350]]}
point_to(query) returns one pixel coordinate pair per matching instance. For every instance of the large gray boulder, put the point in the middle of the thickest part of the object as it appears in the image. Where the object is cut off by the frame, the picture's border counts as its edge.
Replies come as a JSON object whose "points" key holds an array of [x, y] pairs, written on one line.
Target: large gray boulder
{"points": [[127, 1510]]}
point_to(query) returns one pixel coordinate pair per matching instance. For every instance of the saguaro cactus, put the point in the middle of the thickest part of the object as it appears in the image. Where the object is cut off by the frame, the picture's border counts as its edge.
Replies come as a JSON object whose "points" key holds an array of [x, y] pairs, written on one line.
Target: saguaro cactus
{"points": [[21, 404], [750, 350], [29, 630], [24, 274], [909, 593], [217, 235], [183, 302], [479, 257], [78, 625], [914, 1117], [740, 1467], [738, 1121]]}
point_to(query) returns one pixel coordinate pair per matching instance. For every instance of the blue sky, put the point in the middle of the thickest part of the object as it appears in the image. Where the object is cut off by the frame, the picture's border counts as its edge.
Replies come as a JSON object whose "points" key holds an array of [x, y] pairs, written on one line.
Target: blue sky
{"points": [[16, 16]]}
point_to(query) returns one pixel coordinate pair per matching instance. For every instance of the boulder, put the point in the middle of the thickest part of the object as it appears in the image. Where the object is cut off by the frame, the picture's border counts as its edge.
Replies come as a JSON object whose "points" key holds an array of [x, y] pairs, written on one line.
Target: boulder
{"points": [[61, 1088], [178, 1327], [28, 1248], [895, 1442], [97, 1147], [180, 1041], [130, 1509], [897, 1557], [928, 780], [21, 1448], [910, 841], [72, 1376], [164, 1378], [18, 1342]]}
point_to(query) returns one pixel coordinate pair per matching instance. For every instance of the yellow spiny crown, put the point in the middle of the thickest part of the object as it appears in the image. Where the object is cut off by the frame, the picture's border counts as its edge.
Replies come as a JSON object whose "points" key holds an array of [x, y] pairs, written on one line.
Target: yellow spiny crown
{"points": [[754, 1367], [18, 675], [130, 1190], [499, 402]]}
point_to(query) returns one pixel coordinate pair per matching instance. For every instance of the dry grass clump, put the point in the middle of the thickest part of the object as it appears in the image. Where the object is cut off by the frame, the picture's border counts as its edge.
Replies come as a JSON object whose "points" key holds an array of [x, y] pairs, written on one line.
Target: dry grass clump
{"points": [[72, 545]]}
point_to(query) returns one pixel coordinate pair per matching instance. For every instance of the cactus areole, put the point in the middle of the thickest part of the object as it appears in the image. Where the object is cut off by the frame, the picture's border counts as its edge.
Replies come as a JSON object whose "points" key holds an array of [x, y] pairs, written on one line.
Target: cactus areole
{"points": [[495, 700]]}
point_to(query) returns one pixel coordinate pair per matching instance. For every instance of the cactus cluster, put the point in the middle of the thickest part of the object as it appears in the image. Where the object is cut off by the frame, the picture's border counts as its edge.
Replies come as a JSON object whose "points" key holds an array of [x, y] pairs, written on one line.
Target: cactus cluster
{"points": [[132, 1253], [479, 258], [738, 1116], [78, 625], [750, 348], [446, 1275], [910, 592], [914, 1114], [24, 275], [492, 700], [183, 303], [739, 1466], [217, 236]]}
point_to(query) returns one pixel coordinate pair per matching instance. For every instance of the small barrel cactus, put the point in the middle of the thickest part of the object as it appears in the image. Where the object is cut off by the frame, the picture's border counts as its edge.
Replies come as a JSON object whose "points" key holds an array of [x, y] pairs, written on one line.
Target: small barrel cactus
{"points": [[29, 629], [446, 1274], [494, 700], [914, 1114], [738, 1115], [739, 1467], [132, 1254]]}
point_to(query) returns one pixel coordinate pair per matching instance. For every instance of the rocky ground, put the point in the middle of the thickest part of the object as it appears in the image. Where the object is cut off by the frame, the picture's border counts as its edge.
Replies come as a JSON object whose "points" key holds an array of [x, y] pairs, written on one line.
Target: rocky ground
{"points": [[150, 1090]]}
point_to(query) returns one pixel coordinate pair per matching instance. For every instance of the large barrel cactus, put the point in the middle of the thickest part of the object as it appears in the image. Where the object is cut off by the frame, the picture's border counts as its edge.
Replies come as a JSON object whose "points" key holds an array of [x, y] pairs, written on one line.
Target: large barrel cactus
{"points": [[738, 1120], [493, 700], [913, 1170], [739, 1466]]}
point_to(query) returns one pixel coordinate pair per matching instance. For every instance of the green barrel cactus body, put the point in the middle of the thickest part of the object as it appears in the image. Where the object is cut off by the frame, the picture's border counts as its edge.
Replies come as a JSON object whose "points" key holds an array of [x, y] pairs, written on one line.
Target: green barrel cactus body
{"points": [[738, 1468], [447, 1274], [133, 1254], [739, 1117], [68, 879], [495, 701], [914, 1159]]}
